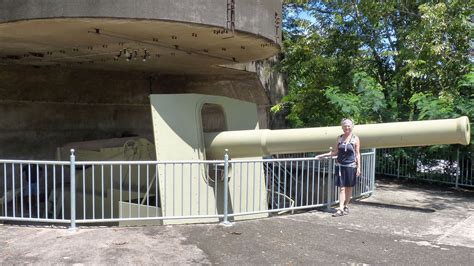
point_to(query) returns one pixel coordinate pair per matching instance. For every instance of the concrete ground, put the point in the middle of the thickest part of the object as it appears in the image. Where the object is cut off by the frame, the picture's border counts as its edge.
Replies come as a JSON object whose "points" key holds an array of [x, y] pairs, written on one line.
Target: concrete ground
{"points": [[401, 224]]}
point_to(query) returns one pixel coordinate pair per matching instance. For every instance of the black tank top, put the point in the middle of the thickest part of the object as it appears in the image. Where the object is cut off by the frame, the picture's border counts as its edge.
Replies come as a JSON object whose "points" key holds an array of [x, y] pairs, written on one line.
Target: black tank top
{"points": [[346, 151]]}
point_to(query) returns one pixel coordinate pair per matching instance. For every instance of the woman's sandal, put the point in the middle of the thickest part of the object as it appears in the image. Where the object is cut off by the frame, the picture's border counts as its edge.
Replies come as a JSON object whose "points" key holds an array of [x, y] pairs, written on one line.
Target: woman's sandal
{"points": [[338, 213], [346, 210]]}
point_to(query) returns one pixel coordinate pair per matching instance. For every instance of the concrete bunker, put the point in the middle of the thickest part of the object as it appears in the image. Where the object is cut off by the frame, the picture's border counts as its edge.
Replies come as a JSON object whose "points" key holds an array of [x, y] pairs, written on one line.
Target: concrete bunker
{"points": [[80, 74]]}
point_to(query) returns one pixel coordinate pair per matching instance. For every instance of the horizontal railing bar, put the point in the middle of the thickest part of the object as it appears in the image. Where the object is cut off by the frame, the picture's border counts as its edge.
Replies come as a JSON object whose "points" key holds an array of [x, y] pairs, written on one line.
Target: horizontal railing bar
{"points": [[148, 218], [160, 162], [34, 219], [35, 162], [289, 159], [278, 210], [144, 162], [365, 194]]}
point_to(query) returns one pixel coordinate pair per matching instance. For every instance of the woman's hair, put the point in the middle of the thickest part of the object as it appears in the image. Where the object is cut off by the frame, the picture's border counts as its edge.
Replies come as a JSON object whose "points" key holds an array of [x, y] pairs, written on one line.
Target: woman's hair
{"points": [[345, 120]]}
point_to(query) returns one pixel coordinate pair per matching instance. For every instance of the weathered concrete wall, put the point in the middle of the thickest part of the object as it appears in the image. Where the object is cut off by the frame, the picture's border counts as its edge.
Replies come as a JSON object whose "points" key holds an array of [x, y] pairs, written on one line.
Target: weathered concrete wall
{"points": [[253, 16], [43, 109], [276, 87]]}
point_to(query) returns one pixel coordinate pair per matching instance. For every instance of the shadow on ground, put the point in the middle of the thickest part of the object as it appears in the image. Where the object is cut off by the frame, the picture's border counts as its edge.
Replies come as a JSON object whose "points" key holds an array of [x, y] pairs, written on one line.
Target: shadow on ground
{"points": [[422, 195]]}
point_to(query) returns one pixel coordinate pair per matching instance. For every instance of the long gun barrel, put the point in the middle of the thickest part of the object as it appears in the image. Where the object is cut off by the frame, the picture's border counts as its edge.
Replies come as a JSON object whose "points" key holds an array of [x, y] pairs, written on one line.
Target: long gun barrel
{"points": [[251, 143]]}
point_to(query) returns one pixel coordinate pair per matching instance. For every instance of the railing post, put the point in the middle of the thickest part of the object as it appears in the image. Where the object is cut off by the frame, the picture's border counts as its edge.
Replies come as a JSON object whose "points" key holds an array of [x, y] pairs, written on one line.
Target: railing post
{"points": [[226, 191], [458, 168], [372, 175], [398, 167], [73, 190], [330, 180]]}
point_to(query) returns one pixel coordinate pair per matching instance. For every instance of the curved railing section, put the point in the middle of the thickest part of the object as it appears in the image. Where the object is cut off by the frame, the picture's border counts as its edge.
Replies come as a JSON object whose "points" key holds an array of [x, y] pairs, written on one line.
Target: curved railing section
{"points": [[133, 192]]}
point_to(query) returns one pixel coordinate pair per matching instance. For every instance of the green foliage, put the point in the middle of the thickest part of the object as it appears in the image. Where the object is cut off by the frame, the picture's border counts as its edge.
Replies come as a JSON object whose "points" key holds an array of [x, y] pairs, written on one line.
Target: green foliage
{"points": [[376, 61], [364, 104]]}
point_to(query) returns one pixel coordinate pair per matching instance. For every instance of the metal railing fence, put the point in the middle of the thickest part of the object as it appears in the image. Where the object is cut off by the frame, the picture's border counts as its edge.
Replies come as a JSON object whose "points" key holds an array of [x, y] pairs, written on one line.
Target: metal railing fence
{"points": [[128, 192], [449, 168]]}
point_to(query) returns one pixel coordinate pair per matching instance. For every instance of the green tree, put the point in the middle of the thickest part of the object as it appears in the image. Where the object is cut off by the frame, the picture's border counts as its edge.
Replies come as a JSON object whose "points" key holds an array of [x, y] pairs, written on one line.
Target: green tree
{"points": [[376, 61]]}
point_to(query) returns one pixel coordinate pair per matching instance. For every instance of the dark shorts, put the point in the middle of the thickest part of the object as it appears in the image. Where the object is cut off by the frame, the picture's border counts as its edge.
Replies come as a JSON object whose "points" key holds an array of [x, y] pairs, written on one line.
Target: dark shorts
{"points": [[345, 176]]}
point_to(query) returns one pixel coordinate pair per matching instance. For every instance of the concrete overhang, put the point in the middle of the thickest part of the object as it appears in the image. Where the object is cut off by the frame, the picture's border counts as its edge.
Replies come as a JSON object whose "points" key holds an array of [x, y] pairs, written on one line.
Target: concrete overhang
{"points": [[151, 37]]}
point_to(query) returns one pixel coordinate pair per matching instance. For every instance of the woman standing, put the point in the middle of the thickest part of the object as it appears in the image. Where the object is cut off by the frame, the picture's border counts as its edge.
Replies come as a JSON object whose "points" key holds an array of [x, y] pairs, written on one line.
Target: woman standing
{"points": [[347, 164]]}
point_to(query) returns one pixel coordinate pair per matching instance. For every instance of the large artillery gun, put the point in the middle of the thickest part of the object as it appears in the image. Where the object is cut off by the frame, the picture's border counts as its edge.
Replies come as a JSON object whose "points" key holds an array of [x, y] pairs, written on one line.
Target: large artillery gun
{"points": [[183, 129]]}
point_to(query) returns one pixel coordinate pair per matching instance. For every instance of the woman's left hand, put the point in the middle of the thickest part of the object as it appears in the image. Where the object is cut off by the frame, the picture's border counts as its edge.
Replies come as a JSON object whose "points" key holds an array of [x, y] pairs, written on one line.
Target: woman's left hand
{"points": [[358, 171]]}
